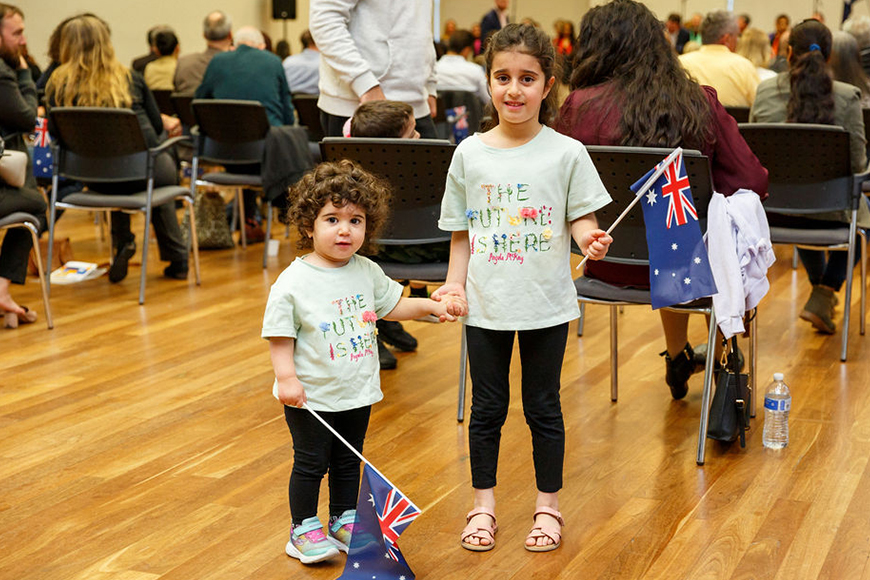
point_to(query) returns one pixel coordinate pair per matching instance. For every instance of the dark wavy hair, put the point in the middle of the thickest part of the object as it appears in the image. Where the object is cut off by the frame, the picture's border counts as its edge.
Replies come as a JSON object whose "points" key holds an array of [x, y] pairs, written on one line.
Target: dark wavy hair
{"points": [[534, 42], [812, 88], [340, 182], [662, 106]]}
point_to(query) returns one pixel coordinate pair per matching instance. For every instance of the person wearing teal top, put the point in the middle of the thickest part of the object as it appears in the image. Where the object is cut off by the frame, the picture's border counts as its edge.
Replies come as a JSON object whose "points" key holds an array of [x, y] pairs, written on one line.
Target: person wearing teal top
{"points": [[249, 73]]}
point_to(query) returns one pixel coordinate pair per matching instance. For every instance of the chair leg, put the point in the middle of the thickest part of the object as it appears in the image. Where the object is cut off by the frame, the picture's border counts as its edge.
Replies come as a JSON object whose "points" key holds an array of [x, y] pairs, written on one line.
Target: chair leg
{"points": [[794, 258], [863, 239], [463, 362], [614, 358], [44, 281], [240, 205], [268, 232], [847, 309], [146, 238], [581, 319], [708, 388], [753, 364], [194, 241]]}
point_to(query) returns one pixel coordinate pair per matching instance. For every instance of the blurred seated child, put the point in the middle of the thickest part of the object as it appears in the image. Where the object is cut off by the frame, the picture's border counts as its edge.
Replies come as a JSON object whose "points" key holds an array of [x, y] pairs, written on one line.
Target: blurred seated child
{"points": [[396, 120]]}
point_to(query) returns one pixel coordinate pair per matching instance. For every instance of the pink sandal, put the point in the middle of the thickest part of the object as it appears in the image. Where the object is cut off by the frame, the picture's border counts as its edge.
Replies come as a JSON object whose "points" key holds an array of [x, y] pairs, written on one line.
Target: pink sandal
{"points": [[551, 532], [480, 533]]}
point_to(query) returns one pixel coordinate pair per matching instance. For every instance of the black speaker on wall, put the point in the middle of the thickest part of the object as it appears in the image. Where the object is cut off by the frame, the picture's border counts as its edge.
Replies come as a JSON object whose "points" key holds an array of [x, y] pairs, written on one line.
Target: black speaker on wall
{"points": [[284, 9]]}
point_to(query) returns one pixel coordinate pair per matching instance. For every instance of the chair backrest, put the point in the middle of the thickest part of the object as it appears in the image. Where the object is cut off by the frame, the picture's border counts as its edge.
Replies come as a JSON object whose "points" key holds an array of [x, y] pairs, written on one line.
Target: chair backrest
{"points": [[99, 144], [417, 172], [230, 131], [164, 101], [621, 167], [809, 166], [470, 101], [181, 106], [740, 114], [309, 115], [865, 112]]}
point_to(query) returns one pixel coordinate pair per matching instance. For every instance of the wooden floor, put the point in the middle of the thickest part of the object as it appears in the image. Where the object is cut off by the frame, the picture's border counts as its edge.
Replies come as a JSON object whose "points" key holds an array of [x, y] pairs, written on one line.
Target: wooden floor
{"points": [[142, 442]]}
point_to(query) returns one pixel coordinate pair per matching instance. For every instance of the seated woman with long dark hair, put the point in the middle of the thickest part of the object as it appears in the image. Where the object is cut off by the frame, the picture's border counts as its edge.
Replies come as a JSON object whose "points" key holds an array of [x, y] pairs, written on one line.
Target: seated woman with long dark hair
{"points": [[806, 94], [91, 76], [630, 89]]}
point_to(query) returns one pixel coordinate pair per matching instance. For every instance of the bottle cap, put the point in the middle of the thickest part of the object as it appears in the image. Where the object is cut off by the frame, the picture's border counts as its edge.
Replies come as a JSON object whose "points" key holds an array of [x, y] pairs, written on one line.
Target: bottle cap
{"points": [[778, 376]]}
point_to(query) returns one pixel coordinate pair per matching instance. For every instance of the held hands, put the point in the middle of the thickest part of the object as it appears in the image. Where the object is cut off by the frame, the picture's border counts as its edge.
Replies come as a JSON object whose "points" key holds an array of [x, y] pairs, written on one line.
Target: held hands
{"points": [[291, 392], [452, 295], [594, 243]]}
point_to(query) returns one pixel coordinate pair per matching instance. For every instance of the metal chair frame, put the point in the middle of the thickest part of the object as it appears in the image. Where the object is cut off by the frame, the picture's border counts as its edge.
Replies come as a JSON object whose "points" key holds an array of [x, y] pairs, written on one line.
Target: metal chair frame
{"points": [[105, 145], [29, 222], [619, 167]]}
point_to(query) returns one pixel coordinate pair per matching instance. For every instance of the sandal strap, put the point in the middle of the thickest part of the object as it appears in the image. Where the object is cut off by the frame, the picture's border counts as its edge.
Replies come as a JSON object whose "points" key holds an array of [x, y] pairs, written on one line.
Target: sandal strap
{"points": [[481, 511], [546, 531], [550, 512]]}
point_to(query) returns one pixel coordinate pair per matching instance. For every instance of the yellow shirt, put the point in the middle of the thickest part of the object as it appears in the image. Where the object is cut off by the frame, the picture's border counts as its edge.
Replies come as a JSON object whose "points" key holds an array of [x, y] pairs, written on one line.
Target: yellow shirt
{"points": [[159, 73], [733, 76]]}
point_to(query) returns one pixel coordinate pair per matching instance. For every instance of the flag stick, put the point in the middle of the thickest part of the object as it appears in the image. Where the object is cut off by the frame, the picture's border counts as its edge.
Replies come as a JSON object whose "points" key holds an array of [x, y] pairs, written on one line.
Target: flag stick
{"points": [[652, 179], [349, 446]]}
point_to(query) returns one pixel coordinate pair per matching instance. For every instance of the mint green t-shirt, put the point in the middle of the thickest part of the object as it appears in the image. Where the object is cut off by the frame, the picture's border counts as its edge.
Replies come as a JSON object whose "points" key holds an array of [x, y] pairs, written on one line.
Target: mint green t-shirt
{"points": [[517, 205], [331, 312]]}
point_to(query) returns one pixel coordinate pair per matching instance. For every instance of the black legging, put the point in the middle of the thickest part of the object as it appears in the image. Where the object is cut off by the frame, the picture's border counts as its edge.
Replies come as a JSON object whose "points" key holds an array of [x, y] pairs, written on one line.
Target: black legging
{"points": [[489, 360], [17, 242], [316, 451]]}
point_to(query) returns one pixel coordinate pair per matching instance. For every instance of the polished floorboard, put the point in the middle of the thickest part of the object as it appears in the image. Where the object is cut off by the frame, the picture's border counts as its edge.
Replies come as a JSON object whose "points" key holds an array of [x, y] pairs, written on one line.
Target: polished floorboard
{"points": [[142, 443]]}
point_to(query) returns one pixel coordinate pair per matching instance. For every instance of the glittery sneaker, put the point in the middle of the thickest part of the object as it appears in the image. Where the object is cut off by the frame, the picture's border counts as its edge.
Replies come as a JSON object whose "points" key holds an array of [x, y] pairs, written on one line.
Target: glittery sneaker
{"points": [[341, 529], [308, 543]]}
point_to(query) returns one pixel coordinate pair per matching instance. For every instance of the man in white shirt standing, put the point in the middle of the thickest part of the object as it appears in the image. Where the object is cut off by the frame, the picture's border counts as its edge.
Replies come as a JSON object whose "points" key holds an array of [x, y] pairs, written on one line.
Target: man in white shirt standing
{"points": [[303, 69], [371, 50], [454, 72]]}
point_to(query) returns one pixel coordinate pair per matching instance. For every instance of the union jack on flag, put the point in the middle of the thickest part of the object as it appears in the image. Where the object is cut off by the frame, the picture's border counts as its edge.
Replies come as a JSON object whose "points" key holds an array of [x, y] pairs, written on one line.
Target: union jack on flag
{"points": [[382, 514], [40, 133], [679, 269], [675, 188]]}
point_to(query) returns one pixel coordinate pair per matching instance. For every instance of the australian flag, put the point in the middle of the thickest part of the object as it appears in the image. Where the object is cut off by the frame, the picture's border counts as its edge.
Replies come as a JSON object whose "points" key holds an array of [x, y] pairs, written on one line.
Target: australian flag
{"points": [[41, 149], [679, 270], [382, 514]]}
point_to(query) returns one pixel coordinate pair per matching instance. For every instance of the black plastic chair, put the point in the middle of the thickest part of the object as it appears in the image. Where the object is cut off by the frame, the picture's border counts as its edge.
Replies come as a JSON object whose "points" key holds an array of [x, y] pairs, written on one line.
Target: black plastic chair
{"points": [[810, 171], [417, 172], [231, 132], [107, 145], [309, 115], [449, 100], [619, 168], [29, 222], [183, 110], [164, 101], [740, 114]]}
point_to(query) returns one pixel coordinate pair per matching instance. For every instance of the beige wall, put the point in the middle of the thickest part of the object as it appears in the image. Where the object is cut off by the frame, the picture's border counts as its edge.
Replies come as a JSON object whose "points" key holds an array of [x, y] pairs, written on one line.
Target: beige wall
{"points": [[130, 19]]}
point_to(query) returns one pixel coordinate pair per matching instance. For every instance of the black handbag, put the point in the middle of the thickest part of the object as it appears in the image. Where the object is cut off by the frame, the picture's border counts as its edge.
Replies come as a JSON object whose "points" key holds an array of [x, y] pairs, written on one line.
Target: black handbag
{"points": [[729, 411]]}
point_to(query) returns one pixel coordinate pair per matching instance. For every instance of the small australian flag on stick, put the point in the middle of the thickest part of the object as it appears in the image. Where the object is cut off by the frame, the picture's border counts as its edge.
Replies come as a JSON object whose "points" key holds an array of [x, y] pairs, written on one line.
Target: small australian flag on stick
{"points": [[679, 269]]}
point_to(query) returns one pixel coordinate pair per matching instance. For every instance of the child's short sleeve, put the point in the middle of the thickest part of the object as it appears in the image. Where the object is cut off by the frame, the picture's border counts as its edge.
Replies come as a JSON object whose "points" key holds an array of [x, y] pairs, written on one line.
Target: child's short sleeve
{"points": [[387, 291], [586, 192], [280, 317], [454, 203]]}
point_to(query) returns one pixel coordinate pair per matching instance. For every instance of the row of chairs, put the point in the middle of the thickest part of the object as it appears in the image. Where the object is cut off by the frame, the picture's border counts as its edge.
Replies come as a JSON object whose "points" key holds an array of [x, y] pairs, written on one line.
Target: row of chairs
{"points": [[822, 183]]}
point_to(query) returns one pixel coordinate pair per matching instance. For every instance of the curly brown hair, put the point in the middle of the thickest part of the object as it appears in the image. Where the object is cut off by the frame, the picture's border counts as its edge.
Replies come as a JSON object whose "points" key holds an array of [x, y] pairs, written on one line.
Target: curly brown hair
{"points": [[340, 182]]}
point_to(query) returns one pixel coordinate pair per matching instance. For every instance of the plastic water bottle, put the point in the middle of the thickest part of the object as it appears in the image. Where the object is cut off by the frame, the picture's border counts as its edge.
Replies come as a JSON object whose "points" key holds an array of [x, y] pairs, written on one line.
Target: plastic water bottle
{"points": [[777, 403]]}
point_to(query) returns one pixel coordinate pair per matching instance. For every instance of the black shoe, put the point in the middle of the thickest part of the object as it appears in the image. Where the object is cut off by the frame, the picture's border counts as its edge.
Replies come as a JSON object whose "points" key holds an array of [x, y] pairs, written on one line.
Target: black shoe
{"points": [[678, 371], [387, 359], [392, 333], [118, 269], [177, 270]]}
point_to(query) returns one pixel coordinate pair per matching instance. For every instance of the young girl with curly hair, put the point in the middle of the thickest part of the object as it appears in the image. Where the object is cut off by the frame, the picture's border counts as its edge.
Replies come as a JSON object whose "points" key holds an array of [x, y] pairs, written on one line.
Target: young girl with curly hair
{"points": [[320, 323]]}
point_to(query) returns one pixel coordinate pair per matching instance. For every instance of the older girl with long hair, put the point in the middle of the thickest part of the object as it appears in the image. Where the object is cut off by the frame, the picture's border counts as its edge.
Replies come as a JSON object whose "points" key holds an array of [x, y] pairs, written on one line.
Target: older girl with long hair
{"points": [[806, 93], [630, 89], [91, 76]]}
